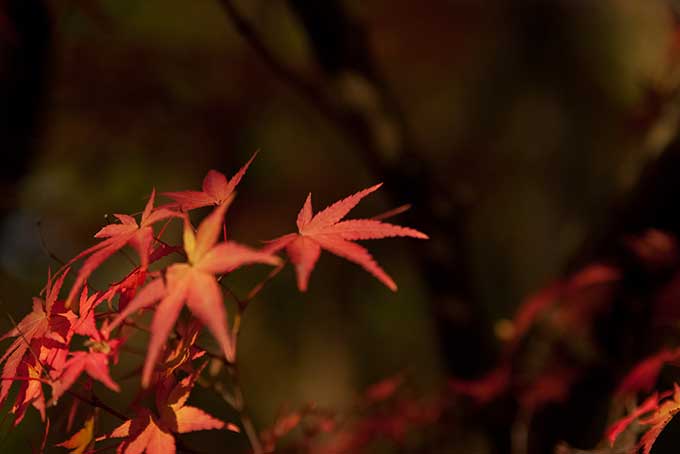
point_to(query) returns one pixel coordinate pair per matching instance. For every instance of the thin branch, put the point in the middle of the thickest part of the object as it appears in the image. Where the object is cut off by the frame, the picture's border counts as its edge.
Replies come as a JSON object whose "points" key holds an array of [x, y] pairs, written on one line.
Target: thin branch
{"points": [[97, 403], [136, 325], [43, 245], [224, 394], [287, 75], [236, 400], [259, 286], [55, 257], [127, 256], [231, 293], [246, 421], [162, 231], [439, 209]]}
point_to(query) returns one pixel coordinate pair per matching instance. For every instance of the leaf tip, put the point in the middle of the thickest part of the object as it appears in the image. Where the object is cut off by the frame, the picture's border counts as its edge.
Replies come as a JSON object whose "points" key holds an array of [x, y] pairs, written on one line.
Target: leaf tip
{"points": [[231, 426]]}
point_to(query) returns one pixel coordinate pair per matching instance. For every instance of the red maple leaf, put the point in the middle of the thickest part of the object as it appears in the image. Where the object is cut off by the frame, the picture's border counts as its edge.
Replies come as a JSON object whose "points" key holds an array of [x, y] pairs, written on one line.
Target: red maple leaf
{"points": [[85, 324], [117, 236], [589, 277], [94, 362], [551, 385], [153, 434], [216, 189], [325, 230], [195, 283], [29, 372], [48, 319], [643, 376], [484, 389]]}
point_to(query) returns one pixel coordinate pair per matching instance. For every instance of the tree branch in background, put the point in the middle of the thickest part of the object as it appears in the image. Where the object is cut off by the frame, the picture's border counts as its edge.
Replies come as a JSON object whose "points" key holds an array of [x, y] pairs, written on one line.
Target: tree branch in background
{"points": [[357, 101]]}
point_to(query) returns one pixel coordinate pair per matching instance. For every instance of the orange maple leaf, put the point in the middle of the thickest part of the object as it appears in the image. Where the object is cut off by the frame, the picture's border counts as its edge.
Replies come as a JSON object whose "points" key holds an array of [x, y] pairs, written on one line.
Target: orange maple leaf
{"points": [[153, 434], [325, 230], [48, 319], [81, 440], [195, 283], [217, 189]]}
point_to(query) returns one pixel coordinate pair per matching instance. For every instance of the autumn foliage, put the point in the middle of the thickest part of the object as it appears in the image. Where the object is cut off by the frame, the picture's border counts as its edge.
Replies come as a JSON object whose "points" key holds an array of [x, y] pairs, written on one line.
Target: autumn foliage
{"points": [[73, 333], [73, 336]]}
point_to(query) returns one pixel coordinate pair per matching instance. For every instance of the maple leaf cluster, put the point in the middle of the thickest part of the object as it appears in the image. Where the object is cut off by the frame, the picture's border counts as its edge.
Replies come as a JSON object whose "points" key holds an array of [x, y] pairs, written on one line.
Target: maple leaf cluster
{"points": [[385, 412], [562, 320], [64, 345]]}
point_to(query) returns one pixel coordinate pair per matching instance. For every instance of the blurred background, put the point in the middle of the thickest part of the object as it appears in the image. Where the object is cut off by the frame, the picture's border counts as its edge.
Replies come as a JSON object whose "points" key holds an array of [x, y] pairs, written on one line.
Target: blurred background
{"points": [[518, 131]]}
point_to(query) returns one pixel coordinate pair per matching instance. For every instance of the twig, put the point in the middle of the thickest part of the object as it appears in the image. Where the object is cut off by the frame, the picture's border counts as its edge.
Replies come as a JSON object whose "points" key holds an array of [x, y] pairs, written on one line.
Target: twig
{"points": [[224, 394], [257, 288], [95, 402], [239, 405], [127, 256], [260, 285], [393, 212], [231, 293], [43, 245], [440, 210], [236, 400], [55, 257], [137, 326], [307, 90]]}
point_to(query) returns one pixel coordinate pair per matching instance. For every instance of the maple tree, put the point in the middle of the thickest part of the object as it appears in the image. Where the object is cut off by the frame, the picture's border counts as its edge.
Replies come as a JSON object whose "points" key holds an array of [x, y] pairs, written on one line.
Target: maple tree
{"points": [[65, 345]]}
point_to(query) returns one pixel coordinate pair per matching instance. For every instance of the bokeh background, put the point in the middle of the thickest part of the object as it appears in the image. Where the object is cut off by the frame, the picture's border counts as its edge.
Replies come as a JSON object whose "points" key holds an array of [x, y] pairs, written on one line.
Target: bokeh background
{"points": [[516, 130]]}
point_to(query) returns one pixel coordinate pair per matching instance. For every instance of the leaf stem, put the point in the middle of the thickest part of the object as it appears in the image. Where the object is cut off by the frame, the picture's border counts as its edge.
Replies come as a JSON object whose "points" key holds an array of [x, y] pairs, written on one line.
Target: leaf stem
{"points": [[236, 400]]}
